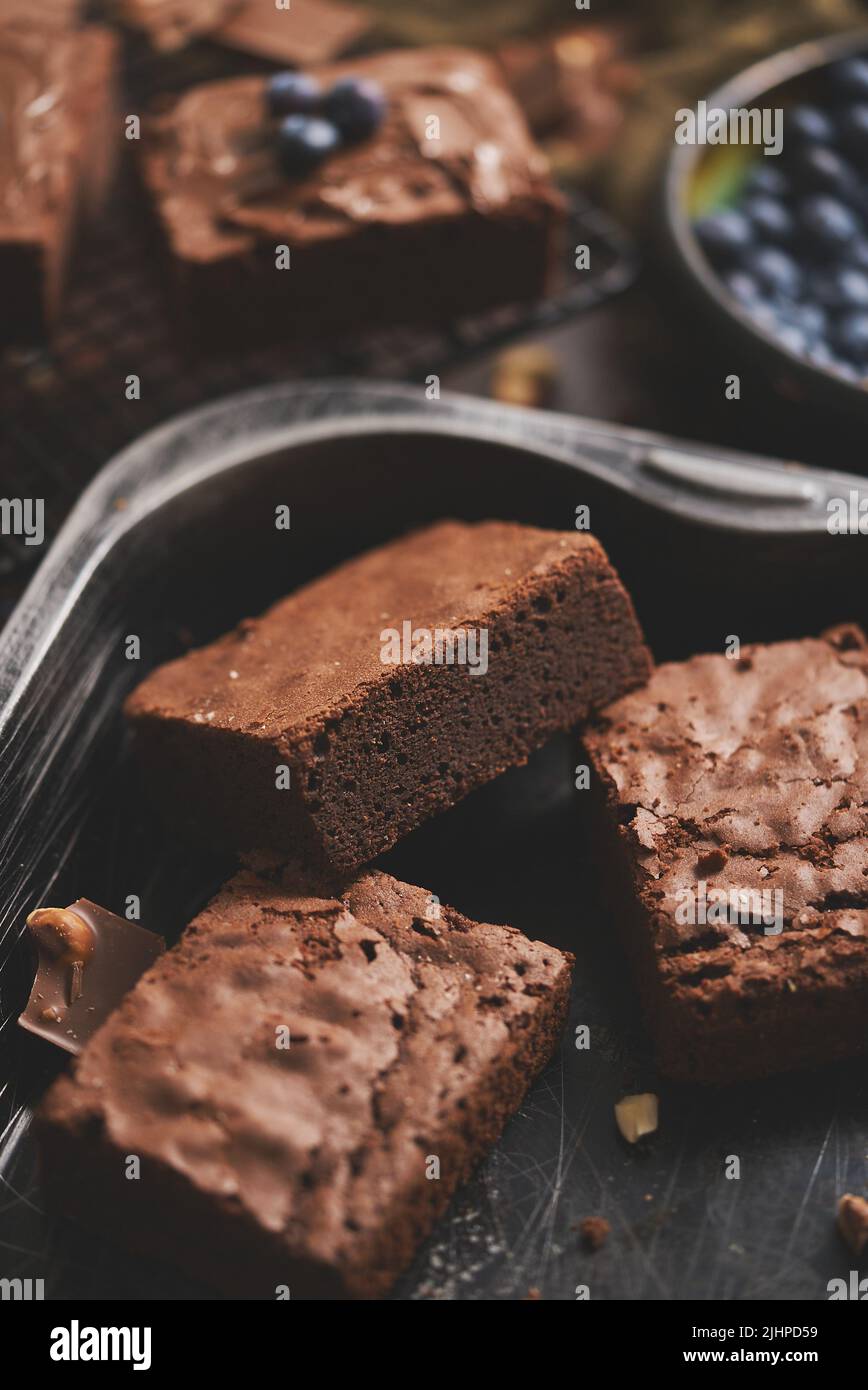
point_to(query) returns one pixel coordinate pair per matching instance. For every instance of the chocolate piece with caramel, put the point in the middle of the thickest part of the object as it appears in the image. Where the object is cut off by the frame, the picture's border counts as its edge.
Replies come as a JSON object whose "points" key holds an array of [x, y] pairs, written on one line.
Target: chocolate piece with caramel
{"points": [[291, 1073], [88, 960]]}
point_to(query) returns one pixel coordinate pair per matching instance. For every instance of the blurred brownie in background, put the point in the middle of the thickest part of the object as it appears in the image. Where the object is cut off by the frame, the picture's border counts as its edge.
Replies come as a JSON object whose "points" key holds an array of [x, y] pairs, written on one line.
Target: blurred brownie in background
{"points": [[171, 24], [571, 85], [307, 31], [56, 105], [310, 31], [45, 14], [446, 208]]}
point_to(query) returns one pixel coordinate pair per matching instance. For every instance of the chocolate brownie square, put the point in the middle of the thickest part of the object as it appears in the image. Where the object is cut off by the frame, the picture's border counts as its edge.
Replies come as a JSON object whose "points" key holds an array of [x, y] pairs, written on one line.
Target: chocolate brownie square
{"points": [[305, 1080], [446, 209], [736, 846], [55, 103], [387, 690]]}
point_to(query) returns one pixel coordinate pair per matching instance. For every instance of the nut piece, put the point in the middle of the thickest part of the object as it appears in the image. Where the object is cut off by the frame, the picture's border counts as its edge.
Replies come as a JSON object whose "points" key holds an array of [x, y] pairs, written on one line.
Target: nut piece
{"points": [[636, 1116], [525, 375], [62, 933], [595, 1232], [853, 1222]]}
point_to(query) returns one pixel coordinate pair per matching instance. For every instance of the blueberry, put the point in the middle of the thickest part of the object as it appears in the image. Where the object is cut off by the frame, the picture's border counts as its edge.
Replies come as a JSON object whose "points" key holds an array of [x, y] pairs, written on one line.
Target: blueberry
{"points": [[846, 369], [768, 178], [725, 234], [851, 337], [742, 287], [808, 125], [828, 223], [305, 141], [846, 288], [763, 314], [775, 271], [851, 76], [289, 93], [854, 128], [818, 167], [772, 219], [792, 337], [820, 353], [854, 287], [857, 253], [825, 289], [810, 319], [356, 106]]}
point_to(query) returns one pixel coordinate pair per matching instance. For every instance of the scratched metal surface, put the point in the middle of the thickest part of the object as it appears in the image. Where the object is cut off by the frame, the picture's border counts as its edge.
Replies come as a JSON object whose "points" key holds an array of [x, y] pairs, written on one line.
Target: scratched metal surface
{"points": [[679, 1229], [515, 852]]}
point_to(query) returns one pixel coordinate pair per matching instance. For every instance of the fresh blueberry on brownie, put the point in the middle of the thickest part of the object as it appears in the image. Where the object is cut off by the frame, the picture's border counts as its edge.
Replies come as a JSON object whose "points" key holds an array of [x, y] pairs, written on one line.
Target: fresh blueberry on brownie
{"points": [[317, 124], [356, 105], [289, 93], [305, 141]]}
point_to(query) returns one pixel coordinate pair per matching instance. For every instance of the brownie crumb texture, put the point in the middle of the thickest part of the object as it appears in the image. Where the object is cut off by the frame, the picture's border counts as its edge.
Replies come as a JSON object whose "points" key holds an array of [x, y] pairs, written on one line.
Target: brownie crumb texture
{"points": [[375, 746]]}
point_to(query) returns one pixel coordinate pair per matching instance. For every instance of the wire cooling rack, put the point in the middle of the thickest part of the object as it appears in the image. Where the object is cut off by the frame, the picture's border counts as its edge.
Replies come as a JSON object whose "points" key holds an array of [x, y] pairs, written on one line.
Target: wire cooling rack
{"points": [[64, 408]]}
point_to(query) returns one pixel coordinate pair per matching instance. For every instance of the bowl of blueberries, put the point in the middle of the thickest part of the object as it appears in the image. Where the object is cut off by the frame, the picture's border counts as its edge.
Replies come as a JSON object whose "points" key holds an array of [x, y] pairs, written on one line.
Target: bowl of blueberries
{"points": [[775, 244]]}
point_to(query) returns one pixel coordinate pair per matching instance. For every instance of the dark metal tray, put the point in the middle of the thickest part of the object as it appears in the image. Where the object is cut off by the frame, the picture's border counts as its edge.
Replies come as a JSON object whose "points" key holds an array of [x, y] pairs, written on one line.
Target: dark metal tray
{"points": [[173, 541]]}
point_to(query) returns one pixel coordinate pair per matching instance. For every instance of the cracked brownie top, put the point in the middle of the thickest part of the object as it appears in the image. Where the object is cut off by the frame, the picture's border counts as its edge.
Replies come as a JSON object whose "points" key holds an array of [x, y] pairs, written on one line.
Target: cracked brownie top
{"points": [[748, 776], [211, 161], [296, 1058]]}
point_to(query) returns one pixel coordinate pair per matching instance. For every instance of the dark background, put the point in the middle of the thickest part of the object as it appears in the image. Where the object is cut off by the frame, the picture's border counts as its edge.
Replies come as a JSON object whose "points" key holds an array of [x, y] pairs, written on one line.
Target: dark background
{"points": [[517, 851]]}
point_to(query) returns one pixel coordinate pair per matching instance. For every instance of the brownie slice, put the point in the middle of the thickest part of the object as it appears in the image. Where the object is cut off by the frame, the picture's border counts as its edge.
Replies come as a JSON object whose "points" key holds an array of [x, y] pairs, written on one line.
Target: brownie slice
{"points": [[374, 748], [56, 100], [413, 1035], [307, 31], [310, 31], [397, 228], [736, 841], [171, 24], [47, 15]]}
